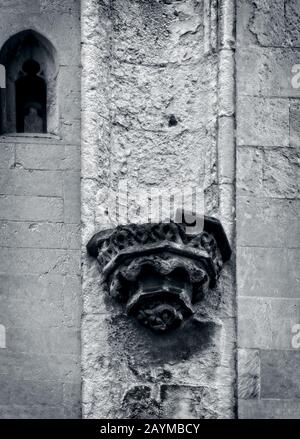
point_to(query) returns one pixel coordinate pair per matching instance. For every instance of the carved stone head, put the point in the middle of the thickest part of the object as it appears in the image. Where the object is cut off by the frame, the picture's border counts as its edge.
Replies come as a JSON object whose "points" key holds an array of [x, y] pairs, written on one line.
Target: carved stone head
{"points": [[158, 270]]}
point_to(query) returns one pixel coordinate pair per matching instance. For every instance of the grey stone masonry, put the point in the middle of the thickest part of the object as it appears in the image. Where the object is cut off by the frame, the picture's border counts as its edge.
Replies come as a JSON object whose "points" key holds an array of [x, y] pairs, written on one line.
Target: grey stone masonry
{"points": [[40, 288], [268, 209]]}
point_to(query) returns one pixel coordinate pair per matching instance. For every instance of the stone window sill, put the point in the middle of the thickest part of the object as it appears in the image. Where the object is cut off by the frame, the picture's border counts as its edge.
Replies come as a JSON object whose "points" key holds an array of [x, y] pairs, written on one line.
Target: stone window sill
{"points": [[25, 137]]}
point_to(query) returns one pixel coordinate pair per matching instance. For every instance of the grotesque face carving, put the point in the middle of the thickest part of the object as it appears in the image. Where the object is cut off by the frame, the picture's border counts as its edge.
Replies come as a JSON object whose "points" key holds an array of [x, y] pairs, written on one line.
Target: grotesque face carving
{"points": [[159, 271]]}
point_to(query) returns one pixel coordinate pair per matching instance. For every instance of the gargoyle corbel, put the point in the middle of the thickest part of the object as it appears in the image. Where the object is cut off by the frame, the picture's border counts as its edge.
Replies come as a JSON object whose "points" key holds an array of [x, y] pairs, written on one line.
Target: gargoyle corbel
{"points": [[159, 270]]}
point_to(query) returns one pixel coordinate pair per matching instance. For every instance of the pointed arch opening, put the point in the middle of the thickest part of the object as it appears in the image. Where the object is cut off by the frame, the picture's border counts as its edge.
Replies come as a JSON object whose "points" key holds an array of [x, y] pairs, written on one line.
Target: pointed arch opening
{"points": [[30, 98]]}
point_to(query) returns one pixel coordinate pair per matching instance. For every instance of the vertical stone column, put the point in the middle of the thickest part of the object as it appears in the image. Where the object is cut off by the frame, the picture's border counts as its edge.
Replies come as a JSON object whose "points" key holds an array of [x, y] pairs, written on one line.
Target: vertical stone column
{"points": [[150, 99]]}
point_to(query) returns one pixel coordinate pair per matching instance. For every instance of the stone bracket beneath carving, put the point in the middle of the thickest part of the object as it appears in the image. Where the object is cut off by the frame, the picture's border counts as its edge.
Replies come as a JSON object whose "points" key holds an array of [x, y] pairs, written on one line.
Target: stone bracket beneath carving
{"points": [[159, 271]]}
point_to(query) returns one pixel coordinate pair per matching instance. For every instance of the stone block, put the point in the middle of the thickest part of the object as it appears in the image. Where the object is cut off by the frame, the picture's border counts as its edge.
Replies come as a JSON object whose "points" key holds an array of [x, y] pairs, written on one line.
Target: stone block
{"points": [[145, 98], [280, 374], [281, 173], [267, 72], [295, 125], [268, 409], [70, 131], [265, 222], [60, 6], [39, 261], [29, 208], [49, 341], [39, 183], [29, 392], [266, 323], [31, 287], [39, 235], [34, 367], [248, 374], [7, 155], [292, 17], [261, 23], [19, 313], [40, 156], [20, 6], [72, 400], [41, 411], [266, 124], [266, 272], [72, 301], [249, 170], [72, 158], [167, 33], [269, 173], [188, 402], [72, 205], [69, 90]]}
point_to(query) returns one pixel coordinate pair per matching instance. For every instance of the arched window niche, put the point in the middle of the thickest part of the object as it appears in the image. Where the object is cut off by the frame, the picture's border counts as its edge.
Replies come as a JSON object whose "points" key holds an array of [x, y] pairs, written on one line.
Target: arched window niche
{"points": [[30, 98]]}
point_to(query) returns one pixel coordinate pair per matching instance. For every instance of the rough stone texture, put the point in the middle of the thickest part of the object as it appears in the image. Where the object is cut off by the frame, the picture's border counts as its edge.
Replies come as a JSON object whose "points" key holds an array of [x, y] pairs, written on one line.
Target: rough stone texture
{"points": [[150, 114], [40, 287], [268, 140], [248, 374], [269, 409], [280, 374]]}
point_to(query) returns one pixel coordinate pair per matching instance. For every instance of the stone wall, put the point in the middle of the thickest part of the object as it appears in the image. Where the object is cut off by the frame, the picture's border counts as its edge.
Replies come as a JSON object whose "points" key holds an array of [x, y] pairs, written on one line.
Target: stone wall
{"points": [[150, 114], [158, 109], [40, 289], [268, 120]]}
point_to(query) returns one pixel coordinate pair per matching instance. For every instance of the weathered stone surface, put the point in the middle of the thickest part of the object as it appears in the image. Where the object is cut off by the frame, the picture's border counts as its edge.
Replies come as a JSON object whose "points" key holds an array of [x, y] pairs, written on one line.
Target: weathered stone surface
{"points": [[269, 172], [266, 272], [72, 197], [266, 124], [158, 33], [267, 72], [52, 340], [41, 411], [248, 374], [188, 402], [265, 222], [295, 125], [35, 287], [29, 392], [250, 170], [39, 235], [124, 353], [160, 270], [19, 6], [37, 367], [268, 409], [39, 230], [39, 261], [261, 22], [7, 156], [157, 100], [20, 182], [26, 208], [292, 17], [280, 374], [264, 325]]}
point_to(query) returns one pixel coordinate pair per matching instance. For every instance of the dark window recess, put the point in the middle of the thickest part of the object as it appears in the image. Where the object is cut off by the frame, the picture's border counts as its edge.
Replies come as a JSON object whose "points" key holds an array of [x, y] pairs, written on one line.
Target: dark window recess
{"points": [[31, 97]]}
